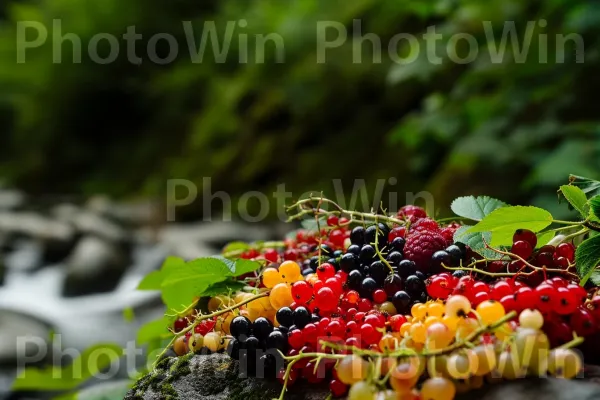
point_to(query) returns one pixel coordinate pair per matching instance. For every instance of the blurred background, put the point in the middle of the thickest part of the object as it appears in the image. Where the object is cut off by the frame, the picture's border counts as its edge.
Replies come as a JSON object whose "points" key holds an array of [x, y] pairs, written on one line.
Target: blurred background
{"points": [[86, 149]]}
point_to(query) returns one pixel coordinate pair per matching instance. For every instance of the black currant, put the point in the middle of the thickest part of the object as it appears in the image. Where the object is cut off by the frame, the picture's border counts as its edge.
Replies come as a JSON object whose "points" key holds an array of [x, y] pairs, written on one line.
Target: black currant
{"points": [[335, 263], [281, 329], [285, 316], [414, 285], [315, 318], [456, 255], [354, 249], [277, 340], [381, 230], [398, 244], [406, 268], [367, 253], [378, 271], [367, 287], [252, 344], [395, 257], [355, 279], [349, 262], [240, 326], [262, 327], [301, 317], [326, 251], [393, 284], [314, 262], [438, 260], [460, 273], [308, 271], [401, 300], [338, 253], [357, 236], [233, 349], [421, 275]]}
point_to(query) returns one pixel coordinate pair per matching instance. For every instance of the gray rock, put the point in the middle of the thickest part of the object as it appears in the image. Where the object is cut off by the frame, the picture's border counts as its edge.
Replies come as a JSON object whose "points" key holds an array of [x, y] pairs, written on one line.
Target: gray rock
{"points": [[133, 214], [96, 265], [26, 256], [217, 377], [11, 199], [15, 326], [87, 222], [2, 270]]}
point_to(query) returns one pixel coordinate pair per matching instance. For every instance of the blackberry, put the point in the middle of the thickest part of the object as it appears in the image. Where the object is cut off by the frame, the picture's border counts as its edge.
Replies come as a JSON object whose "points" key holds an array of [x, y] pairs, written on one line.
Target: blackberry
{"points": [[401, 300], [355, 279], [349, 262], [378, 271], [367, 253], [414, 286], [395, 257], [285, 317], [406, 268], [302, 317], [357, 236], [398, 244]]}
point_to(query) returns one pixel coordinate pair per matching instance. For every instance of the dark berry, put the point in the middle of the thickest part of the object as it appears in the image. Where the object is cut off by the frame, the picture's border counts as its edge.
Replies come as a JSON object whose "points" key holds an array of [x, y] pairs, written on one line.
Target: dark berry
{"points": [[367, 287], [308, 271], [337, 253], [349, 262], [277, 340], [285, 317], [252, 344], [180, 324], [456, 254], [525, 235], [233, 349], [398, 244], [326, 251], [460, 273], [357, 236], [367, 253], [335, 263], [378, 271], [439, 259], [414, 285], [401, 300], [302, 317], [314, 263], [282, 329], [354, 249], [393, 284], [395, 257], [421, 246], [406, 268], [262, 328], [240, 326], [420, 275], [355, 279], [381, 231]]}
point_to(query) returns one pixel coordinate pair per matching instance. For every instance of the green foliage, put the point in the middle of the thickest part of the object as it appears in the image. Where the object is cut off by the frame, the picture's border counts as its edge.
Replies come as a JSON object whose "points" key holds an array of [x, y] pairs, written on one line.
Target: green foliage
{"points": [[595, 207], [181, 282], [92, 361], [475, 240], [576, 197], [153, 329], [475, 208], [588, 257], [504, 221]]}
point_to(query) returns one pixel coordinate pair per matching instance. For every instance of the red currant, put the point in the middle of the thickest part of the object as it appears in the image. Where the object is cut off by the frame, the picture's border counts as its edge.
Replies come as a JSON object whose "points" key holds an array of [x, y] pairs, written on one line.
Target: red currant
{"points": [[309, 334], [566, 250], [337, 237], [525, 298], [522, 249], [271, 255], [292, 377], [333, 220], [302, 292], [290, 255], [335, 284], [379, 296], [525, 235], [582, 322], [364, 305], [325, 271], [500, 290], [398, 231], [546, 297], [180, 324], [326, 299], [509, 303], [579, 292], [566, 302], [337, 388], [296, 339], [439, 287], [544, 259]]}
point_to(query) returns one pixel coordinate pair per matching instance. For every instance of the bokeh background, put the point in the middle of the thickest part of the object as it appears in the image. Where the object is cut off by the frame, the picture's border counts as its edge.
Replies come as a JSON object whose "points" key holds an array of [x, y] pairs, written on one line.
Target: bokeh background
{"points": [[71, 132]]}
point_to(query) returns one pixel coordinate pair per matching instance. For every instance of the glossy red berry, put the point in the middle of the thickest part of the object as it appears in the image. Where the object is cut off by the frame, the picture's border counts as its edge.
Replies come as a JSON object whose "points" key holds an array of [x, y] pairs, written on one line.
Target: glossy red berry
{"points": [[337, 237], [379, 296], [364, 305], [334, 283], [525, 235], [333, 220], [310, 334], [500, 290], [180, 324], [290, 255], [271, 255], [579, 292], [326, 299], [440, 287], [337, 388], [566, 302], [296, 339], [479, 298], [302, 292], [566, 250], [522, 249], [561, 262], [398, 231], [546, 297], [369, 335], [525, 298], [292, 377], [396, 321], [509, 303], [313, 373], [583, 322], [325, 271]]}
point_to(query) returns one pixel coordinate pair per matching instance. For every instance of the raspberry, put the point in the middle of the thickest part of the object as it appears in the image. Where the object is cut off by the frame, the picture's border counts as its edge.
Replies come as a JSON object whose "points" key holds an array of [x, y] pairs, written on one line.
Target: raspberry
{"points": [[425, 224], [412, 211], [420, 247], [448, 234]]}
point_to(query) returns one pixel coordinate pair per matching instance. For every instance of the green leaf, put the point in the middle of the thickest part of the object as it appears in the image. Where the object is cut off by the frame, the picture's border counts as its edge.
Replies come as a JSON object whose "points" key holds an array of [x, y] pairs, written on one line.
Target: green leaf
{"points": [[595, 207], [590, 187], [236, 246], [508, 219], [587, 257], [128, 314], [595, 278], [152, 281], [92, 361], [475, 240], [224, 287], [115, 390], [153, 330], [544, 237], [576, 198], [475, 208]]}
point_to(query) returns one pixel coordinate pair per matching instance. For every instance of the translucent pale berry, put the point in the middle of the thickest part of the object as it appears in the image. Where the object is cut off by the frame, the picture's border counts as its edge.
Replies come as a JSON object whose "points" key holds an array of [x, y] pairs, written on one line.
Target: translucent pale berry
{"points": [[531, 319], [458, 306], [438, 388]]}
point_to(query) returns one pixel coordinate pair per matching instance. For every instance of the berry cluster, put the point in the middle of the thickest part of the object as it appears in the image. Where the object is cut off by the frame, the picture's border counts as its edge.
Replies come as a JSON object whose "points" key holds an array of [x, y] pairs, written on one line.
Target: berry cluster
{"points": [[360, 298]]}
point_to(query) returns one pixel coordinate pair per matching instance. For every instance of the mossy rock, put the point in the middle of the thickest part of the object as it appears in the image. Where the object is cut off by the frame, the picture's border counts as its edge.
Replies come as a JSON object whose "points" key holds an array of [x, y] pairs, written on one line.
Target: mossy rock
{"points": [[217, 377]]}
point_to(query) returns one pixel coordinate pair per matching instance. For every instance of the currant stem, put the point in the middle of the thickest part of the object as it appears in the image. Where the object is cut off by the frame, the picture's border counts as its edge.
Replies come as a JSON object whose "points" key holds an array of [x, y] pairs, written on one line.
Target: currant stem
{"points": [[577, 340], [383, 260], [558, 221]]}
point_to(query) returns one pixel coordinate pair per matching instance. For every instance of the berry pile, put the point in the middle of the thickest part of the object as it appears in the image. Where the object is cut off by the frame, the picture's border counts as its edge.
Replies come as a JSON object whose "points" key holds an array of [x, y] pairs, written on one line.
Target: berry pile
{"points": [[370, 310]]}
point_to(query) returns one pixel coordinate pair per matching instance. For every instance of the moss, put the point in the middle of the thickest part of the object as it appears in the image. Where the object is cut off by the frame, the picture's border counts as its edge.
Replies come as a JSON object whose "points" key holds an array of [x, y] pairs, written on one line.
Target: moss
{"points": [[168, 392]]}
